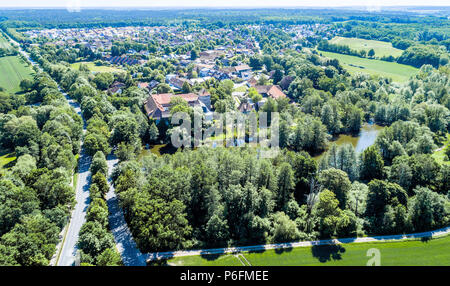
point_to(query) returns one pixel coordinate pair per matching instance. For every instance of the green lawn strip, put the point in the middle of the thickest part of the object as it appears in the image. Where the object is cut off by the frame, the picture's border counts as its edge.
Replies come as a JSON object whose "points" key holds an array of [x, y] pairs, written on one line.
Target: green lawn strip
{"points": [[207, 260], [405, 253], [381, 48], [411, 252], [398, 72]]}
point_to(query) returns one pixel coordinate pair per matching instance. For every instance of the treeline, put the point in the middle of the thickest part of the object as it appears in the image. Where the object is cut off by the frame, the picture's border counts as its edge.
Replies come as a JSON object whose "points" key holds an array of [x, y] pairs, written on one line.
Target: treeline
{"points": [[430, 31], [36, 193], [222, 197], [419, 55], [217, 18], [343, 49], [415, 55]]}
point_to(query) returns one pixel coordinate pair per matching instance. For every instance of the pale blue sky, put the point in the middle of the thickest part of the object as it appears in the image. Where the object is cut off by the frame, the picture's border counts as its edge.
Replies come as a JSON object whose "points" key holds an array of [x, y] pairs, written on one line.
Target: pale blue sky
{"points": [[217, 3]]}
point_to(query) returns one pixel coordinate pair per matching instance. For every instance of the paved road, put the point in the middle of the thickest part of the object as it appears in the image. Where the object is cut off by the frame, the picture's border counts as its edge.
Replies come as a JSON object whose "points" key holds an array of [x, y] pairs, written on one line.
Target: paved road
{"points": [[131, 256], [78, 218], [69, 249], [125, 244], [170, 254]]}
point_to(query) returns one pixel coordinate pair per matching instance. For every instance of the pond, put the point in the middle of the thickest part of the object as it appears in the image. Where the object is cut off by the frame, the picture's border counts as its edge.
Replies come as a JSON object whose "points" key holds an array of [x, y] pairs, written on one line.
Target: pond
{"points": [[365, 138], [158, 150]]}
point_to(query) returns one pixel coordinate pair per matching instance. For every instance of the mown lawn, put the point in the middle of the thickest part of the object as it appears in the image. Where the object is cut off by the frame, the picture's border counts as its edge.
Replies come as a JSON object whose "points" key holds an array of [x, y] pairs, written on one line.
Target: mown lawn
{"points": [[93, 68], [381, 48], [397, 72], [223, 260], [12, 71], [406, 253]]}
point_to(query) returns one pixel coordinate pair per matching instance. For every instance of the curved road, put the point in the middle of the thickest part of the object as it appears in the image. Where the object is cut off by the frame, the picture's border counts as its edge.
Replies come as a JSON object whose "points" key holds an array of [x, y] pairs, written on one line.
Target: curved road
{"points": [[131, 255]]}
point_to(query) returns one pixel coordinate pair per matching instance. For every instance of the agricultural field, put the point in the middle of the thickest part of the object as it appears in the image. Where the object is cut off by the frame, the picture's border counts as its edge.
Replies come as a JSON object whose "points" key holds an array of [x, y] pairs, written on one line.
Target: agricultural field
{"points": [[94, 68], [397, 72], [405, 253], [12, 71], [4, 43], [382, 49]]}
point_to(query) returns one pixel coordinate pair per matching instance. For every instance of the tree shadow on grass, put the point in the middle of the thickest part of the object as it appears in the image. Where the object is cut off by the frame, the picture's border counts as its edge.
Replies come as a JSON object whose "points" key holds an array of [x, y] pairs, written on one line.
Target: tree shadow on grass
{"points": [[283, 250], [9, 164], [161, 262], [325, 253], [168, 149], [211, 257]]}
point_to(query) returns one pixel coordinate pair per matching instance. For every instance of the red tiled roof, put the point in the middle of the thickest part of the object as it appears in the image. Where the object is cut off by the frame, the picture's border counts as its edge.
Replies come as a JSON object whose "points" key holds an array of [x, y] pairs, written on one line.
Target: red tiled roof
{"points": [[273, 91], [164, 98]]}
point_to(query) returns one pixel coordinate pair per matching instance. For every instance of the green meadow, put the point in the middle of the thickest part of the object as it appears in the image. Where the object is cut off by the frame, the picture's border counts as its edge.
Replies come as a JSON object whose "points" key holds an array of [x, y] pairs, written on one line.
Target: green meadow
{"points": [[12, 71], [432, 252], [94, 68], [381, 48], [397, 72]]}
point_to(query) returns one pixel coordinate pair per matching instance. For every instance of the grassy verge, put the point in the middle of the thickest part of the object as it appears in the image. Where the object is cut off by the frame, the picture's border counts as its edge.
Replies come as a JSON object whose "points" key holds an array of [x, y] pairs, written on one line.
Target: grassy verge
{"points": [[405, 253]]}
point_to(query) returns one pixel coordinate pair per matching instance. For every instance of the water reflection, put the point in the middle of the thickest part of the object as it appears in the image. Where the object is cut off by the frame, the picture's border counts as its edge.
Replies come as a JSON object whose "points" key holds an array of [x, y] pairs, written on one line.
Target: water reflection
{"points": [[365, 138]]}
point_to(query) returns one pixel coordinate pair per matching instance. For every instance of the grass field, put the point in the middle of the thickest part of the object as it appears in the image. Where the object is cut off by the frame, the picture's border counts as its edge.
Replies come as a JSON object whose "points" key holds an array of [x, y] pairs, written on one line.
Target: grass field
{"points": [[381, 48], [405, 253], [397, 72], [12, 70], [93, 68], [4, 43], [440, 155]]}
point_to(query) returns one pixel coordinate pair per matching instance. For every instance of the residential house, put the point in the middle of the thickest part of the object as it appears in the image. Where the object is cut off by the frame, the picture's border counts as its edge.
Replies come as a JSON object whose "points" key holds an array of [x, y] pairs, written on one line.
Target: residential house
{"points": [[157, 106], [273, 91], [243, 71]]}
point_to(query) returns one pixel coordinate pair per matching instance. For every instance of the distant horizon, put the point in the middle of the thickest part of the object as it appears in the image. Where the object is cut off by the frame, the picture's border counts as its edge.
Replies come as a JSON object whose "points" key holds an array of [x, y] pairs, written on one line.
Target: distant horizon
{"points": [[216, 4], [223, 7]]}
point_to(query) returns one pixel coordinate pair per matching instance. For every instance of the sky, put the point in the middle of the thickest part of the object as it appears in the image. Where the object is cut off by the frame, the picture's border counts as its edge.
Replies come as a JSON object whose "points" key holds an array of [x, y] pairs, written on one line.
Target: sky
{"points": [[218, 3]]}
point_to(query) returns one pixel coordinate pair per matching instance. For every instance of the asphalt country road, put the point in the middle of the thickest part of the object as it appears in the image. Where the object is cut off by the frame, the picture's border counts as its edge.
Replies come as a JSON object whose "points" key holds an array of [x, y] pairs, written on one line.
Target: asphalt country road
{"points": [[69, 249], [131, 255]]}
